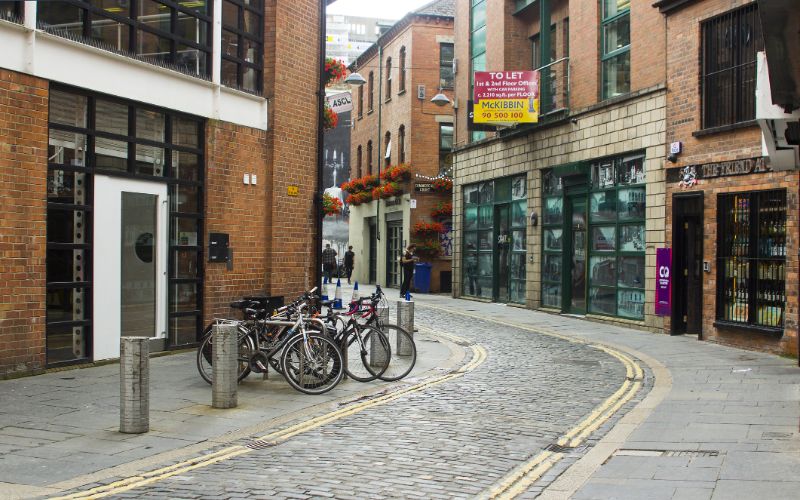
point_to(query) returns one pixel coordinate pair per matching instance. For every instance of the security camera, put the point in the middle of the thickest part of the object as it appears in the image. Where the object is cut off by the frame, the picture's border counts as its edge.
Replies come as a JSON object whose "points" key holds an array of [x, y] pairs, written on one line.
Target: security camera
{"points": [[673, 158], [574, 121]]}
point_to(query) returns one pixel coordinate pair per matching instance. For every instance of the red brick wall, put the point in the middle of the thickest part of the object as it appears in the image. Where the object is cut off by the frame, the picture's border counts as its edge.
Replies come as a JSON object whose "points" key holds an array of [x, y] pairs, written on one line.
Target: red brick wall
{"points": [[23, 211], [237, 209]]}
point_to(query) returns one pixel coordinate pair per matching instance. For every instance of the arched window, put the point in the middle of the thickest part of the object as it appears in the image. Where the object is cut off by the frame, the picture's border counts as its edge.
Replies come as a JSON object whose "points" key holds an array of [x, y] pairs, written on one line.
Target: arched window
{"points": [[370, 90], [360, 101], [387, 148], [401, 144], [369, 157], [388, 78], [359, 159], [401, 85]]}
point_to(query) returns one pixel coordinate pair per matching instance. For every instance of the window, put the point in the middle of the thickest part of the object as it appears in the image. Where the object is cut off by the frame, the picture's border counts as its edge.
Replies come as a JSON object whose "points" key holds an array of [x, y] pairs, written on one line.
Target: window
{"points": [[553, 240], [401, 144], [387, 147], [11, 11], [446, 77], [242, 44], [370, 89], [360, 101], [388, 78], [167, 31], [751, 261], [549, 74], [477, 42], [359, 159], [88, 134], [369, 157], [616, 48], [446, 149], [730, 44], [401, 86]]}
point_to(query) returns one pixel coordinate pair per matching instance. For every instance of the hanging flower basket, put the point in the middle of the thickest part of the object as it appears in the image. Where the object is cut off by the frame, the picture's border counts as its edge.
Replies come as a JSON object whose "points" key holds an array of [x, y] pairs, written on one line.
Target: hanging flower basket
{"points": [[428, 229], [428, 248], [442, 211], [370, 181], [442, 185], [330, 119], [331, 205], [397, 173], [391, 189], [334, 70]]}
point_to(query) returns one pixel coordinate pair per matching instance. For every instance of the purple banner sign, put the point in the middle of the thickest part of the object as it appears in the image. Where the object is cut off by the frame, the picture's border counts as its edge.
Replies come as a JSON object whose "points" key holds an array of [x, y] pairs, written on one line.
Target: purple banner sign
{"points": [[663, 281]]}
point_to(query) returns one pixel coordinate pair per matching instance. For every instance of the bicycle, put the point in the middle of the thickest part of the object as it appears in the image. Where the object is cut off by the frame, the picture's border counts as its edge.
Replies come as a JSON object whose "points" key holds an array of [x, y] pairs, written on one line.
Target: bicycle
{"points": [[367, 355]]}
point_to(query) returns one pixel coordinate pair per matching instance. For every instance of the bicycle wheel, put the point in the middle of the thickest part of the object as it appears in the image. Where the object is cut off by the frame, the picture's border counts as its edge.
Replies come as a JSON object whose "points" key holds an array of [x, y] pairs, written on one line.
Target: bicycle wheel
{"points": [[205, 353], [403, 350], [368, 354], [312, 365]]}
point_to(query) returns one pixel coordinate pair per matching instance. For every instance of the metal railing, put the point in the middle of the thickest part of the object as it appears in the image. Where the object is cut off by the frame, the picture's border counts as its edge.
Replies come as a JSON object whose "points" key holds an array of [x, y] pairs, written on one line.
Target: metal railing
{"points": [[554, 86]]}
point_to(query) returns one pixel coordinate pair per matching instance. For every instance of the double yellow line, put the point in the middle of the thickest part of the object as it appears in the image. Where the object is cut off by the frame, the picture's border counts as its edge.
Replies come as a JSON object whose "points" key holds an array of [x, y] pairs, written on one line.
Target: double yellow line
{"points": [[478, 357], [522, 477]]}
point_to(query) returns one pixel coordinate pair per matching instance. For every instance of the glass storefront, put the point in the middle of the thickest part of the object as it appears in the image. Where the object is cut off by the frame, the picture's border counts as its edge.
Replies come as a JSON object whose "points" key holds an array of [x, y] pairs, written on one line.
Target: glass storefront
{"points": [[495, 220], [91, 134], [594, 239]]}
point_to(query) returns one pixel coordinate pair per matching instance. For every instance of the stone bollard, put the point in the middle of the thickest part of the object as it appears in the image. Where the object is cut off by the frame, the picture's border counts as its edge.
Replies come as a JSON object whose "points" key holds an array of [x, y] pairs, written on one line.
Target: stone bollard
{"points": [[225, 366], [405, 319], [376, 353], [134, 385]]}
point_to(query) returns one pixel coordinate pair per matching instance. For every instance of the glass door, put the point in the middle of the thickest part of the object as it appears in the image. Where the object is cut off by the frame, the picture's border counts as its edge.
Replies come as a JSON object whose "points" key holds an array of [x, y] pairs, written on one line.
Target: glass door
{"points": [[130, 238], [394, 250], [502, 219], [576, 278], [373, 252]]}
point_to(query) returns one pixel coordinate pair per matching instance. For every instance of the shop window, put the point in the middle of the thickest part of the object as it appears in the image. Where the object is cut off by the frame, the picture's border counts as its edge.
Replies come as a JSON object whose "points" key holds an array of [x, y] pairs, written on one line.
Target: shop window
{"points": [[446, 76], [616, 48], [730, 44], [166, 31], [751, 261], [89, 133]]}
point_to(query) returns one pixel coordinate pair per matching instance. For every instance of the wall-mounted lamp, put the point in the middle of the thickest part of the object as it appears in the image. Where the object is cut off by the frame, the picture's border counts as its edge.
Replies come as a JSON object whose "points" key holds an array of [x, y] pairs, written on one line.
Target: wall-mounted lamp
{"points": [[534, 219]]}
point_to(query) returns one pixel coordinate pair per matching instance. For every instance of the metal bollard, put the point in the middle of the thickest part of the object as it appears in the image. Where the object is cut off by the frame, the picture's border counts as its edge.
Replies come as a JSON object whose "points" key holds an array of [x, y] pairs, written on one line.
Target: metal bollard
{"points": [[225, 372], [134, 385], [376, 353], [405, 319]]}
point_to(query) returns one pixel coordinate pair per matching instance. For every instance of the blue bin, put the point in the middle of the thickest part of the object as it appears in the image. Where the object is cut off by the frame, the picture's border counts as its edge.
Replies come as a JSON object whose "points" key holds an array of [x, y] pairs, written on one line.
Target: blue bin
{"points": [[422, 277]]}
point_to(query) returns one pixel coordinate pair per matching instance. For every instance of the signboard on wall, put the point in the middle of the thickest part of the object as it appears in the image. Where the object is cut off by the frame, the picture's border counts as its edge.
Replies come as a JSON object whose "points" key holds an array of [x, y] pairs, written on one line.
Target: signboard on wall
{"points": [[506, 97], [340, 102], [663, 281]]}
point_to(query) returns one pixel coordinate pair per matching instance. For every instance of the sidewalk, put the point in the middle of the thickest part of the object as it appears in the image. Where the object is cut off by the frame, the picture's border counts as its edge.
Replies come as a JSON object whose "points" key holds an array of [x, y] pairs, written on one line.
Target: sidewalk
{"points": [[60, 430]]}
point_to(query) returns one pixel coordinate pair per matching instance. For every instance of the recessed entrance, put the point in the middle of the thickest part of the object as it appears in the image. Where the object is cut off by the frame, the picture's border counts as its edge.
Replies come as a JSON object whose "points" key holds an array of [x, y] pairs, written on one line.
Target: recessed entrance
{"points": [[576, 239], [130, 262], [687, 241]]}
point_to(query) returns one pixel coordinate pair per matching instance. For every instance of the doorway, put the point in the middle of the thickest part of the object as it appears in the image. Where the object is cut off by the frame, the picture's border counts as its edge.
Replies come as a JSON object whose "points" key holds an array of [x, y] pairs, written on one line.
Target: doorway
{"points": [[687, 255], [130, 262], [575, 277], [394, 250], [373, 251], [502, 223]]}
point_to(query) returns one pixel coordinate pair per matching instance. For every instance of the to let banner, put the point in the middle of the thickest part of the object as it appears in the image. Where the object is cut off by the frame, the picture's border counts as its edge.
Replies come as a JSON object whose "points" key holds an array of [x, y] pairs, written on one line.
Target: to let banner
{"points": [[663, 281], [506, 97]]}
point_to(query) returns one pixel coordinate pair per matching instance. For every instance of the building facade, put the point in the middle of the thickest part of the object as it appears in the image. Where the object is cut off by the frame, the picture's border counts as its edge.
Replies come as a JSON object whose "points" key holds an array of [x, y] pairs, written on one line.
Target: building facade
{"points": [[147, 172], [347, 37], [732, 219], [564, 215], [395, 124]]}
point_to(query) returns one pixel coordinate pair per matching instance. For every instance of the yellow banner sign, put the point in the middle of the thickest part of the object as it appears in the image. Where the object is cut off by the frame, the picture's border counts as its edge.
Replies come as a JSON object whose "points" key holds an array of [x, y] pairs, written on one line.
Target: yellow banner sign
{"points": [[506, 111]]}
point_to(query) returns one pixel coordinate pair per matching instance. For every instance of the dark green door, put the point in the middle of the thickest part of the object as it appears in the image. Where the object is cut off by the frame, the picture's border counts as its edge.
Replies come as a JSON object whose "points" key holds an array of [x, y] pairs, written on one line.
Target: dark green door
{"points": [[575, 277], [502, 244]]}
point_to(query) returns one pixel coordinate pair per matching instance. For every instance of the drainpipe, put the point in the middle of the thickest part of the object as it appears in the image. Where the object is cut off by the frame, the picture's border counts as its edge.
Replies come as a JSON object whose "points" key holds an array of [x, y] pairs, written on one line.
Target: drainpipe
{"points": [[378, 144], [320, 146]]}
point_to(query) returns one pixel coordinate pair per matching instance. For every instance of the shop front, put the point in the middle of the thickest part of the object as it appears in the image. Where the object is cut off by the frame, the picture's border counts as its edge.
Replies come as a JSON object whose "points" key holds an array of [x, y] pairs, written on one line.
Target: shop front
{"points": [[593, 237], [494, 257]]}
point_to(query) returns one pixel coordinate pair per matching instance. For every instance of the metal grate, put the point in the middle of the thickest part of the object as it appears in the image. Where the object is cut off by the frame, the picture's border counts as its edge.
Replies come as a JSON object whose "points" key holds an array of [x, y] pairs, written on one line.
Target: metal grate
{"points": [[260, 445], [666, 453]]}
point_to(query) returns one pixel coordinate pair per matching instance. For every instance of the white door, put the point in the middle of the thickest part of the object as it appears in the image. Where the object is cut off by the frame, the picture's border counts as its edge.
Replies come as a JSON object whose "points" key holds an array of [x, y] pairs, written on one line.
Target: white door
{"points": [[130, 262]]}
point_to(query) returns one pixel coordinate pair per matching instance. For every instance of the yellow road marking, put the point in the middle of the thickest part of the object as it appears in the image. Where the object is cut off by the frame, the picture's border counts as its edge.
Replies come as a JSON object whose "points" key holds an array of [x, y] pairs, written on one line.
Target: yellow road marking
{"points": [[479, 356], [521, 478]]}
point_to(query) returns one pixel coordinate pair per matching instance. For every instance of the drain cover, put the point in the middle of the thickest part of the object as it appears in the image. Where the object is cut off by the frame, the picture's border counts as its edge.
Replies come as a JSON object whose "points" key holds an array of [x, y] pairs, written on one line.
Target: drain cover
{"points": [[667, 453], [259, 445]]}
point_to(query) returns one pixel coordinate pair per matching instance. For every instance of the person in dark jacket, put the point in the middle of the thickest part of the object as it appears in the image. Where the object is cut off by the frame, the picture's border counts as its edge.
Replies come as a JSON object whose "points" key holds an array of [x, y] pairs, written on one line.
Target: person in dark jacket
{"points": [[329, 263], [349, 261], [407, 262]]}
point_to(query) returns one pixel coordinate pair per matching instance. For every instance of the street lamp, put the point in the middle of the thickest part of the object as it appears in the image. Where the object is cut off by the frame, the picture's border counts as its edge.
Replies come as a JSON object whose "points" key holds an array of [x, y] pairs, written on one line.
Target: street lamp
{"points": [[440, 99], [355, 80]]}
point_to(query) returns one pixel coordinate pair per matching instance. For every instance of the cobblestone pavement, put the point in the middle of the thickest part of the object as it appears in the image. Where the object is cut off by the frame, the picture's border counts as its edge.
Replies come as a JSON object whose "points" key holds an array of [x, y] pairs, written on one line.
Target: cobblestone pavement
{"points": [[452, 440]]}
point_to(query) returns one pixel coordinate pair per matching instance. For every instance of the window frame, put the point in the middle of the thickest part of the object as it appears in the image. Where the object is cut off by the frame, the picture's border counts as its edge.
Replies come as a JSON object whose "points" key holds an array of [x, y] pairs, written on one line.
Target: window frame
{"points": [[388, 79], [359, 160], [371, 92], [369, 157], [401, 84], [606, 57], [446, 67], [401, 144]]}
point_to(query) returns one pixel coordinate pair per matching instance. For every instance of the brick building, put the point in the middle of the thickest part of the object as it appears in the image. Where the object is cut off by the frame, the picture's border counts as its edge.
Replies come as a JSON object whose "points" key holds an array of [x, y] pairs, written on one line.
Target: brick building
{"points": [[132, 134], [731, 207], [564, 215], [395, 123]]}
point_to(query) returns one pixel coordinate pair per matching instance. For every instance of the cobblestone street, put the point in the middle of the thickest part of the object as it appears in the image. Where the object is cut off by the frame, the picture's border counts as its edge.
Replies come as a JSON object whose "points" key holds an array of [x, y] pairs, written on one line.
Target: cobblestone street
{"points": [[454, 440]]}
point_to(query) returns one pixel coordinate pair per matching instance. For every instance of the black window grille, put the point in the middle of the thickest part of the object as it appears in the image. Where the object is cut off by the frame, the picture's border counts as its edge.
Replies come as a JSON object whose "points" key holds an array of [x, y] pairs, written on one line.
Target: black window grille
{"points": [[166, 32], [730, 44], [242, 44], [751, 282]]}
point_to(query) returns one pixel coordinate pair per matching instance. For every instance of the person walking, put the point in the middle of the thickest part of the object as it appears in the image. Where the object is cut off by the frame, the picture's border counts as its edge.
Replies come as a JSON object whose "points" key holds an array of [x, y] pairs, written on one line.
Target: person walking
{"points": [[349, 260], [407, 262], [329, 263]]}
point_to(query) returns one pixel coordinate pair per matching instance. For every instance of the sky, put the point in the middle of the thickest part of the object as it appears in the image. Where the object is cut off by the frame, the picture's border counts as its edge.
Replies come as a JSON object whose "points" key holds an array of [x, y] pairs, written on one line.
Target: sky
{"points": [[383, 9]]}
